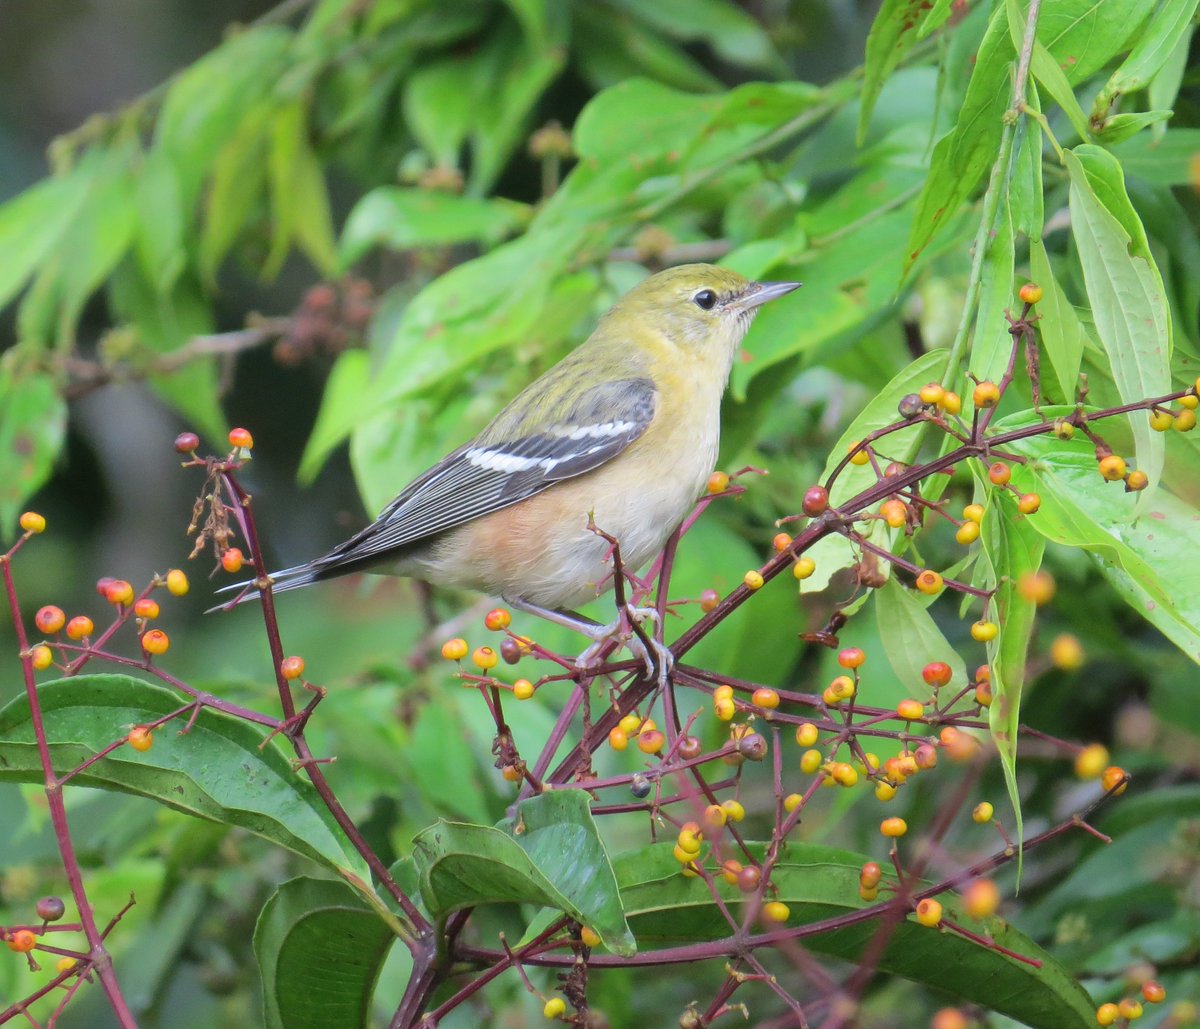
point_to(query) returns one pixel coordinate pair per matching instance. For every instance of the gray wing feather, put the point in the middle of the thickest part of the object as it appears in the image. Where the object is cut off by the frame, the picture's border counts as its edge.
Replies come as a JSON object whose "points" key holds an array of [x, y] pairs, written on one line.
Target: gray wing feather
{"points": [[480, 478]]}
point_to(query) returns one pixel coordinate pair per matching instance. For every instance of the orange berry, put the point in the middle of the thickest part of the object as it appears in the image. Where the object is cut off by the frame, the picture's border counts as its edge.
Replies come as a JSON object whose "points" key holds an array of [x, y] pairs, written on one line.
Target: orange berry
{"points": [[50, 619], [983, 813], [523, 690], [1153, 992], [851, 657], [1136, 481], [985, 395], [1030, 293], [752, 580], [931, 393], [951, 403], [929, 913], [981, 898], [32, 523], [984, 632], [843, 774], [22, 941], [960, 746], [650, 741], [781, 542], [232, 560], [804, 567], [718, 482], [141, 739], [1112, 776], [930, 582], [497, 619], [910, 709], [936, 674], [79, 627], [765, 697], [455, 649], [893, 827], [999, 473], [709, 599], [291, 667], [870, 875], [118, 591], [983, 694], [511, 773], [617, 739], [1112, 467], [177, 582], [1037, 587], [41, 657], [146, 609], [949, 1018], [155, 641], [485, 658], [806, 734], [1185, 421], [241, 438], [775, 911], [730, 870], [1066, 652], [1029, 503], [1130, 1009], [714, 817], [894, 512], [589, 937], [967, 533], [1107, 1014]]}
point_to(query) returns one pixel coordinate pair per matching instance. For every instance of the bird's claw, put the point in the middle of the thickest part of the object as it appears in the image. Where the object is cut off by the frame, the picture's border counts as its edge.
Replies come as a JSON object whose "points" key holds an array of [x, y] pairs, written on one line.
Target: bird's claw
{"points": [[656, 658]]}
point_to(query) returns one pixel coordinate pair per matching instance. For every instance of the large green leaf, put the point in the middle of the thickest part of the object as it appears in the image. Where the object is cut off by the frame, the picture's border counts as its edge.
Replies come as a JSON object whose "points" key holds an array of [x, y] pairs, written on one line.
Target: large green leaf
{"points": [[216, 771], [1062, 334], [550, 853], [1129, 304], [320, 949], [32, 223], [1149, 54], [818, 883], [911, 639], [33, 425], [892, 35]]}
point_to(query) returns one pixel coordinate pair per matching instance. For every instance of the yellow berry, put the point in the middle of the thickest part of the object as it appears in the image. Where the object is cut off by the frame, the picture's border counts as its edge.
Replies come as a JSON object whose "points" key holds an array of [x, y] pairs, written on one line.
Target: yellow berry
{"points": [[884, 791], [455, 649], [931, 393], [910, 709], [843, 774], [630, 724], [894, 512], [929, 913], [1161, 421], [791, 802], [1066, 652], [752, 580], [32, 523], [967, 533], [951, 403], [734, 810], [41, 657], [1091, 761], [859, 457], [714, 817], [984, 632], [1037, 587], [141, 739], [554, 1007], [589, 937], [177, 582], [929, 582], [1130, 1009], [523, 690], [65, 965], [485, 658], [724, 708], [718, 482], [775, 911], [1107, 1014], [983, 813], [766, 698], [806, 734], [893, 827], [804, 567], [981, 898], [1112, 467], [1185, 421], [1189, 402], [986, 394], [973, 512]]}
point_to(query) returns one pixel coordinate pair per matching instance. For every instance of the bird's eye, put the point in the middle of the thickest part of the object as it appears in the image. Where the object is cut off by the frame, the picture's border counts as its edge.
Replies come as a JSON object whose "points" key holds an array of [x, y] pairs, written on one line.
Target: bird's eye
{"points": [[705, 299]]}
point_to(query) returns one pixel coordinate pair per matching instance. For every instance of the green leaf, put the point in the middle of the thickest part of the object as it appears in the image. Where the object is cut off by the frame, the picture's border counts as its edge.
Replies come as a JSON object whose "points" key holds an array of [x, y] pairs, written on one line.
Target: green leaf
{"points": [[609, 50], [992, 344], [1122, 126], [938, 15], [216, 771], [1046, 70], [1026, 190], [834, 552], [439, 107], [550, 853], [1011, 549], [299, 203], [1062, 334], [341, 408], [821, 883], [911, 639], [1138, 552], [963, 155], [1084, 35], [1149, 54], [32, 223], [1166, 161], [320, 949], [404, 218], [730, 32], [33, 427], [892, 35], [1125, 290], [159, 234]]}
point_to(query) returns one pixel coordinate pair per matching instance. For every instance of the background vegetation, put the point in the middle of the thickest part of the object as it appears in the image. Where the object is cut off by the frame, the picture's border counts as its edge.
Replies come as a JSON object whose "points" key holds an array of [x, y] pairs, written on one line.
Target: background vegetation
{"points": [[427, 204]]}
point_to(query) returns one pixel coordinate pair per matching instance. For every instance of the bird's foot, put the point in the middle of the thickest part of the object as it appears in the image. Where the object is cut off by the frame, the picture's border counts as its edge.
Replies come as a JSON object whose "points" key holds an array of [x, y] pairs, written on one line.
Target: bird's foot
{"points": [[656, 658]]}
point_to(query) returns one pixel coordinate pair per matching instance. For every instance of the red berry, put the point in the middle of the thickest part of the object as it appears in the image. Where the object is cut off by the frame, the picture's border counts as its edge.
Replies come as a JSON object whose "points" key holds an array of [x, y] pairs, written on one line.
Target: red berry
{"points": [[80, 626], [146, 608], [50, 909], [936, 673], [816, 500], [119, 592], [50, 619], [186, 442], [497, 619], [232, 560], [241, 438]]}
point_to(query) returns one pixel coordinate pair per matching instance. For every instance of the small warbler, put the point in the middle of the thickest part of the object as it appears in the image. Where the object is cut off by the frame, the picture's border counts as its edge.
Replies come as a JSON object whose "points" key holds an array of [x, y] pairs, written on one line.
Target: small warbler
{"points": [[623, 430]]}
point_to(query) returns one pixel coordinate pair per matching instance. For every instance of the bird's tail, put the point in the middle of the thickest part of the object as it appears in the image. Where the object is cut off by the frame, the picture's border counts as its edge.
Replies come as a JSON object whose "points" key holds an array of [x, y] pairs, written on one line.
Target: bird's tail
{"points": [[281, 581]]}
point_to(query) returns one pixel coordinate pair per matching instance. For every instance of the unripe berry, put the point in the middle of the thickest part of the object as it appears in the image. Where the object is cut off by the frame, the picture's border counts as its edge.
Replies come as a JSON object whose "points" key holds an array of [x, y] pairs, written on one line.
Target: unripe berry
{"points": [[973, 512], [983, 694], [910, 709], [714, 817], [511, 773], [984, 632], [140, 738], [859, 457], [50, 909], [232, 560], [1153, 992], [851, 658], [766, 698], [810, 761], [967, 533], [1063, 429], [1189, 402], [951, 403], [718, 482], [936, 674], [929, 913], [79, 627], [752, 580], [734, 810], [485, 658], [884, 791], [893, 827], [1066, 652], [22, 941], [816, 500], [155, 641], [650, 741], [455, 649], [630, 724], [730, 870], [894, 512], [1029, 503], [1185, 421], [804, 567], [146, 609], [186, 443], [983, 813], [1037, 587], [929, 582], [64, 965], [843, 774], [1161, 421], [1107, 1014], [775, 911], [870, 875], [1114, 775], [617, 739], [241, 439], [1030, 293], [50, 619], [1130, 1009], [291, 668], [1112, 467], [999, 473], [791, 802], [1136, 481], [523, 690], [177, 582], [869, 894], [781, 542], [42, 657], [932, 393], [986, 394], [981, 898], [724, 708], [589, 937], [497, 619], [554, 1007], [32, 523], [806, 734]]}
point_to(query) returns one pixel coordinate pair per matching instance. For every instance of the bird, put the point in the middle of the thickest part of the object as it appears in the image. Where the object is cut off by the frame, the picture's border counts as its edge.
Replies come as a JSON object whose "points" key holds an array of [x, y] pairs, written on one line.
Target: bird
{"points": [[621, 435]]}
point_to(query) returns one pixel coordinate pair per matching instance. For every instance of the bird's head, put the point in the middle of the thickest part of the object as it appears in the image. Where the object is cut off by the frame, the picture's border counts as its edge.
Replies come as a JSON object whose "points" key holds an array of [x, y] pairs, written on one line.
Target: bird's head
{"points": [[700, 307]]}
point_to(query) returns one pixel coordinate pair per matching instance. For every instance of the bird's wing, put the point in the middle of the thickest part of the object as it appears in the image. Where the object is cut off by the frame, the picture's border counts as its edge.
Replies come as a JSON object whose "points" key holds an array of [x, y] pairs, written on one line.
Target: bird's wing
{"points": [[482, 477]]}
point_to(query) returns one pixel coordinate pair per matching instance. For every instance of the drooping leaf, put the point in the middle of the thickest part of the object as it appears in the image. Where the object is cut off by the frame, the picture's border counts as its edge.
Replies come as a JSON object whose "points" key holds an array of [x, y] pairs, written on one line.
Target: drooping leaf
{"points": [[1060, 331], [31, 224], [320, 949], [33, 426], [892, 34], [1149, 54], [911, 639]]}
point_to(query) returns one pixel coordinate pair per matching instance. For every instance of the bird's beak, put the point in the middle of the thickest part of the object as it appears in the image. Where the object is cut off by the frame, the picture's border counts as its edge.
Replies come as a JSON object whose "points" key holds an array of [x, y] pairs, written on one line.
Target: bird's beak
{"points": [[760, 293]]}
